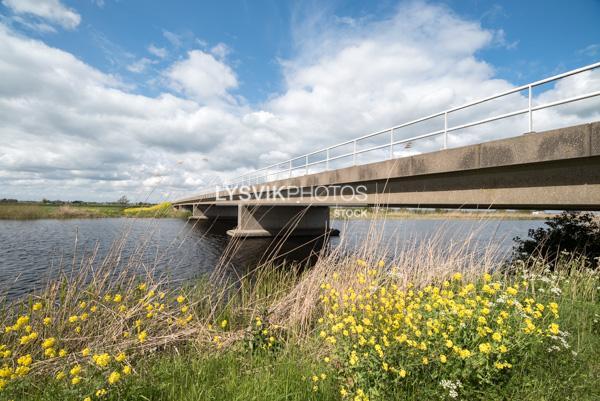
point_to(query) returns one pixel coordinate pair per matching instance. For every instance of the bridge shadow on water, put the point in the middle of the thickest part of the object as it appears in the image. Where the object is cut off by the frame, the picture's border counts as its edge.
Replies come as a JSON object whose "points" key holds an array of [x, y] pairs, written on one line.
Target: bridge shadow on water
{"points": [[242, 256]]}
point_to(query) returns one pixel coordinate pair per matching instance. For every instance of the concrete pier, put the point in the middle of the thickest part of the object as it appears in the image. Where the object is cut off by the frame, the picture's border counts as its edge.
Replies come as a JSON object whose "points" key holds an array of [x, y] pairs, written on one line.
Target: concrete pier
{"points": [[272, 221]]}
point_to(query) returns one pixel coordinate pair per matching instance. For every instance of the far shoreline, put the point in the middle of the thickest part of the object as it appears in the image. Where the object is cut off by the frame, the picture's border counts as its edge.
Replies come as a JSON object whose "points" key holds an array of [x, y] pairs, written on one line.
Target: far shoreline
{"points": [[21, 211], [343, 214]]}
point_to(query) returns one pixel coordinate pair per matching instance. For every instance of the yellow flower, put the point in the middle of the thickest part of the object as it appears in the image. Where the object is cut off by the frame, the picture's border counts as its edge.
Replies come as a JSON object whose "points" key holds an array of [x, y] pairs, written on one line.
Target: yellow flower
{"points": [[50, 352], [142, 287], [443, 358], [25, 360], [76, 380], [425, 360], [47, 321], [126, 370], [120, 357], [93, 308], [101, 393], [62, 353], [75, 371], [49, 342], [224, 323], [73, 319], [457, 276], [60, 375], [402, 373], [497, 336], [553, 328], [37, 306], [101, 360], [485, 348], [82, 304], [114, 377], [142, 336], [87, 399], [117, 298], [85, 352], [180, 299]]}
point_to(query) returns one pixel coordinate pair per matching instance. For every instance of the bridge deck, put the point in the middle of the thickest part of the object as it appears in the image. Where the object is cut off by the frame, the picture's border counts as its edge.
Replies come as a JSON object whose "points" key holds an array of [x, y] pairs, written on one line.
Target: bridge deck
{"points": [[558, 169]]}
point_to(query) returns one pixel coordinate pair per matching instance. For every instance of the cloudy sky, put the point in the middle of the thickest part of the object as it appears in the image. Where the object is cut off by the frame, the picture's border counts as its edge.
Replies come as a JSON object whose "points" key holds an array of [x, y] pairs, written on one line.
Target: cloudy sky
{"points": [[154, 100]]}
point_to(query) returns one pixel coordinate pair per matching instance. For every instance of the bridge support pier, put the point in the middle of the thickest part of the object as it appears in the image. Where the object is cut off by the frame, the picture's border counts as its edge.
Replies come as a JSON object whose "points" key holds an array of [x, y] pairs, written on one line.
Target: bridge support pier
{"points": [[274, 221], [206, 212]]}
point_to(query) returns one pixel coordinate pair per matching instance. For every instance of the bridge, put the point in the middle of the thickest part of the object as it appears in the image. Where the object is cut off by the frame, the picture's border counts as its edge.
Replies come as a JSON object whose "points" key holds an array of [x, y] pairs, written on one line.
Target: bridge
{"points": [[555, 169]]}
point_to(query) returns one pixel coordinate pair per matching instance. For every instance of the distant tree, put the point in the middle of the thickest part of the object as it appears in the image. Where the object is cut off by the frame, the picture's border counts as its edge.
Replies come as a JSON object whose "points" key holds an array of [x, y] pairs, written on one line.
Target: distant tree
{"points": [[44, 200], [574, 232], [123, 200]]}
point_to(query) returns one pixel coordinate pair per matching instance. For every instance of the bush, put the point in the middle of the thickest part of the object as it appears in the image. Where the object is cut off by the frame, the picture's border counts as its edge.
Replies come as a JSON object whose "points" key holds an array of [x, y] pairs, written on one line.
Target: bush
{"points": [[573, 232], [385, 342]]}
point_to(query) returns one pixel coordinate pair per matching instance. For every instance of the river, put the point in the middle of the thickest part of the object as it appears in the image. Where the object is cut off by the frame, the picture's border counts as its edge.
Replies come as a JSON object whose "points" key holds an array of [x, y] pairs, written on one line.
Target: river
{"points": [[32, 252]]}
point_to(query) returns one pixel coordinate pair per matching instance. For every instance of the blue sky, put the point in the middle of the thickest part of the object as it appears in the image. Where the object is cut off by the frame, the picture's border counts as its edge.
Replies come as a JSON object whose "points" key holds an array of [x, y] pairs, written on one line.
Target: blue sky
{"points": [[126, 96], [541, 38]]}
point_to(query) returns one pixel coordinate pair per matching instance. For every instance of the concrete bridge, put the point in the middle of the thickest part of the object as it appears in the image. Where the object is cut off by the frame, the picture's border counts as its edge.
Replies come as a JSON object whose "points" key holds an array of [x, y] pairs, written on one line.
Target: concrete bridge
{"points": [[558, 169]]}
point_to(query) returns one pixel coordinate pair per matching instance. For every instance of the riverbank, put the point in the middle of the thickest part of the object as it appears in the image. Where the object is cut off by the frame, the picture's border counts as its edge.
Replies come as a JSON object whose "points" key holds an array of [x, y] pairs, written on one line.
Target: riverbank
{"points": [[386, 214], [35, 211], [427, 323]]}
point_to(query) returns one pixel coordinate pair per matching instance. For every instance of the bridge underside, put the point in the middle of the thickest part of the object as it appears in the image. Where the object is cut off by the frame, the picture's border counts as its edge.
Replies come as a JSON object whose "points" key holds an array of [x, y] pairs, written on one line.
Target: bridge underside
{"points": [[558, 170]]}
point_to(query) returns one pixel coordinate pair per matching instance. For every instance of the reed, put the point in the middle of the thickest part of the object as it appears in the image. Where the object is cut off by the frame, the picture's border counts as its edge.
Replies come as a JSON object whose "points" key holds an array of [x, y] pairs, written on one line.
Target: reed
{"points": [[264, 320]]}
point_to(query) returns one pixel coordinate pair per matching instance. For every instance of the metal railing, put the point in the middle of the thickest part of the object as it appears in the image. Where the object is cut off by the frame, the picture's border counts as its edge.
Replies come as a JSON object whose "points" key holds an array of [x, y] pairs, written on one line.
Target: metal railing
{"points": [[301, 165]]}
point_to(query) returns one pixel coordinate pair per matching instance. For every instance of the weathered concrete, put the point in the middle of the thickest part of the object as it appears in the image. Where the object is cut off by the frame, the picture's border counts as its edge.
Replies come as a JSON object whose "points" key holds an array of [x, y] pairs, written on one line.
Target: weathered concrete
{"points": [[212, 211], [270, 221], [558, 169]]}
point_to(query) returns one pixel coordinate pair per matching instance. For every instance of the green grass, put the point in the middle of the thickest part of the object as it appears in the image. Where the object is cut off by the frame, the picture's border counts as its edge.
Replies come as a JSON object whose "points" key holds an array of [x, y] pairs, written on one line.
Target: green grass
{"points": [[191, 376], [387, 214], [35, 211]]}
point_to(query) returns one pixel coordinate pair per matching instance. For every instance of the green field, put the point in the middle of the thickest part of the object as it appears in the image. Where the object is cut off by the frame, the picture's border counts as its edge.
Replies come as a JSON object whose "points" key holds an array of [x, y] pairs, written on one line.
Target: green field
{"points": [[33, 211]]}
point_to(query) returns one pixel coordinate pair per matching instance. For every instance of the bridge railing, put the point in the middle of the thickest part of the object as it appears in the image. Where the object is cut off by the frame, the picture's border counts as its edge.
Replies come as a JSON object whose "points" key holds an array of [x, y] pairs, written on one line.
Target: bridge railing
{"points": [[386, 144]]}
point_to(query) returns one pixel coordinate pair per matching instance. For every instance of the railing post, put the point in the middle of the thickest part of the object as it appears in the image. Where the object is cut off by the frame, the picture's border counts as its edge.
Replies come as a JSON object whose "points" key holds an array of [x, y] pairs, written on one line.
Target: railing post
{"points": [[391, 144], [354, 154], [327, 161], [530, 113], [306, 165], [445, 130]]}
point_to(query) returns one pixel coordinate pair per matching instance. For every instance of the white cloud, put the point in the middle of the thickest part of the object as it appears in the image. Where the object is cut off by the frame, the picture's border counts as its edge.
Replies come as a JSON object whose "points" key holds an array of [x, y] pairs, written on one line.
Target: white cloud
{"points": [[51, 10], [159, 52], [173, 38], [220, 50], [202, 77], [592, 50], [139, 65], [87, 135]]}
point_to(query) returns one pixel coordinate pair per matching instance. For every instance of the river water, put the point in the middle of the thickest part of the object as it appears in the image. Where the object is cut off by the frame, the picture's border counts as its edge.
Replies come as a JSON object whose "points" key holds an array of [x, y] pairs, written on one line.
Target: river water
{"points": [[32, 252]]}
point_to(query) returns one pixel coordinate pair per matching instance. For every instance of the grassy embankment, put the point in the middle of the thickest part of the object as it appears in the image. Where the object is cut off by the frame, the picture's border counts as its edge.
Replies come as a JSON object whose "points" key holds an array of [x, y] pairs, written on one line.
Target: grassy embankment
{"points": [[35, 211], [361, 326], [386, 214]]}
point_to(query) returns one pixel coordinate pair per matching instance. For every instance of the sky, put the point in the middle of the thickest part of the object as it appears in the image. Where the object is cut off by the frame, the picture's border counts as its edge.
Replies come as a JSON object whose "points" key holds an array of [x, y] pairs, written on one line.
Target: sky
{"points": [[155, 100]]}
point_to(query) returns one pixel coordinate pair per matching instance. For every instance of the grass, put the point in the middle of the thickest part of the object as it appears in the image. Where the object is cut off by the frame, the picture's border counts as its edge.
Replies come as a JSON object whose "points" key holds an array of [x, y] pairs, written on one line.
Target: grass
{"points": [[35, 211], [223, 354], [385, 214]]}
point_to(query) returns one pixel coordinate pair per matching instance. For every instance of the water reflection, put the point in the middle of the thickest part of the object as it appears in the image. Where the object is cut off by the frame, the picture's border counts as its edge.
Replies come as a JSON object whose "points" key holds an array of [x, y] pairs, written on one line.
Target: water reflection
{"points": [[34, 252]]}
